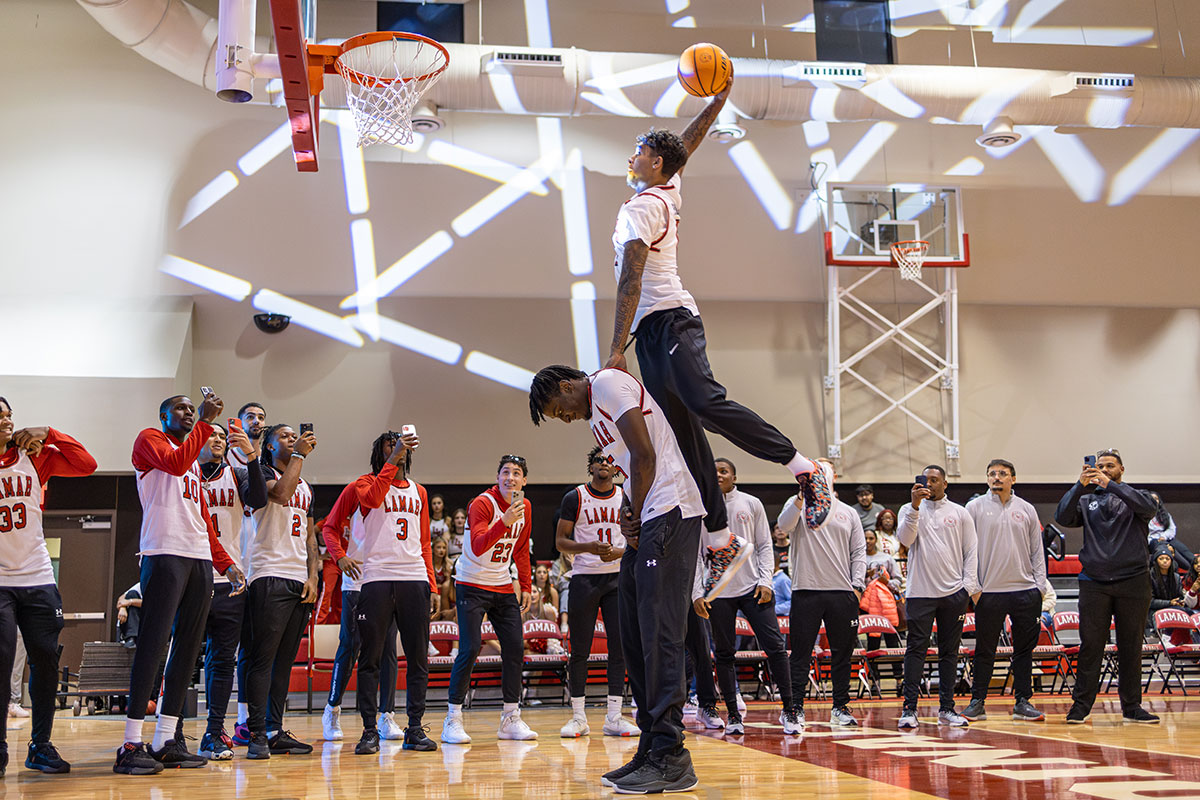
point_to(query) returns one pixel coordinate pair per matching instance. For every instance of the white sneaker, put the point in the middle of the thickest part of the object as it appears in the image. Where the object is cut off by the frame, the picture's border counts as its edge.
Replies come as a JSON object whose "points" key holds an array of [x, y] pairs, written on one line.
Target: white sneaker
{"points": [[620, 726], [16, 710], [953, 719], [331, 723], [692, 707], [710, 717], [735, 727], [388, 729], [908, 720], [792, 720], [453, 731], [841, 717], [513, 727], [433, 651], [741, 704], [576, 727]]}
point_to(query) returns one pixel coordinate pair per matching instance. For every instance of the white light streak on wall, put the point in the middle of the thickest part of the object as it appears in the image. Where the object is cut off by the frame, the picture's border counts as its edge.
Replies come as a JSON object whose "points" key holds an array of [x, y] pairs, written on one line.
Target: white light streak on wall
{"points": [[261, 154], [968, 166], [307, 316], [208, 278], [537, 23], [1108, 112], [477, 163], [890, 97], [583, 319], [675, 6], [816, 132], [499, 199], [1134, 176], [208, 196], [505, 90], [823, 102], [353, 169], [575, 216], [1074, 162], [362, 248], [415, 339], [766, 187], [409, 265], [550, 147], [684, 22], [991, 104], [493, 368]]}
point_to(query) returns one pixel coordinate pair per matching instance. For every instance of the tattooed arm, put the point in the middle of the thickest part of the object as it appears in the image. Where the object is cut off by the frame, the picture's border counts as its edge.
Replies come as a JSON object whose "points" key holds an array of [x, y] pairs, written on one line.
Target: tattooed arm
{"points": [[693, 135], [629, 291]]}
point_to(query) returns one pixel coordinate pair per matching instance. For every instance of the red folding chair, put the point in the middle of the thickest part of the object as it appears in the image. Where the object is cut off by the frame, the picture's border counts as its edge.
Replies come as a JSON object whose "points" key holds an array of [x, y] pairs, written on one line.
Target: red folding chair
{"points": [[1182, 655]]}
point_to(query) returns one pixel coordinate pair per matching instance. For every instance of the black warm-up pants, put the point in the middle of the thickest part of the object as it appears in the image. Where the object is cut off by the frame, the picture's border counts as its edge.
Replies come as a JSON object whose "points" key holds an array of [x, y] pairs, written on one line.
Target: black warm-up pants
{"points": [[37, 612], [1024, 608], [948, 611], [723, 613], [349, 647], [226, 615], [588, 594], [277, 618], [675, 370], [384, 607], [504, 612], [1127, 602], [839, 611], [176, 593]]}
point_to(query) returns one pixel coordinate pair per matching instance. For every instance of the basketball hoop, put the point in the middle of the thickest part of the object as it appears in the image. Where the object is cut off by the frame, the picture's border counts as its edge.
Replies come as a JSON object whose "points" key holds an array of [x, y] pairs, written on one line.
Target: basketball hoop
{"points": [[386, 73], [909, 256]]}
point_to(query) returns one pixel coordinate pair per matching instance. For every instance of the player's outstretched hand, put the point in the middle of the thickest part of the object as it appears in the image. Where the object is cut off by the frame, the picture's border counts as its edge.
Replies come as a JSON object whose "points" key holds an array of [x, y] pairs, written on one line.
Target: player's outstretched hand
{"points": [[617, 361], [211, 408], [724, 93], [239, 440]]}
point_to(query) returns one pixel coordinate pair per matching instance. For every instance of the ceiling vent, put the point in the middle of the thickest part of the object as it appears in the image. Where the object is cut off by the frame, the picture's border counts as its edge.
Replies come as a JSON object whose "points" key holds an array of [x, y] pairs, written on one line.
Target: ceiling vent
{"points": [[998, 133]]}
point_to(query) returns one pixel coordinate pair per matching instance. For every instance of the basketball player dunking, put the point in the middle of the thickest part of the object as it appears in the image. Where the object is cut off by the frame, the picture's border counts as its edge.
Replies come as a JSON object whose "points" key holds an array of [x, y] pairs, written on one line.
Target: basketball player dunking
{"points": [[664, 319]]}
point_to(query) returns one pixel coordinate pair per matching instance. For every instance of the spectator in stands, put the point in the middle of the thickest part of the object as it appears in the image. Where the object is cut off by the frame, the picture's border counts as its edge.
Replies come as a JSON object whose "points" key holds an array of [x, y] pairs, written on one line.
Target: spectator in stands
{"points": [[546, 595], [879, 562], [442, 567], [885, 534], [1191, 585], [868, 510], [560, 576], [1166, 591], [942, 574], [1049, 602], [439, 523], [1162, 532], [780, 543], [129, 615], [1112, 580], [781, 583], [458, 529], [884, 572]]}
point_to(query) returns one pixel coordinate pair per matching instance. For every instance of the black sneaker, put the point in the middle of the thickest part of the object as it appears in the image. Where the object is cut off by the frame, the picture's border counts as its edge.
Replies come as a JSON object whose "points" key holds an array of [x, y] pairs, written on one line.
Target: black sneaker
{"points": [[415, 739], [175, 754], [668, 773], [258, 747], [975, 711], [636, 763], [283, 743], [1078, 714], [44, 758], [132, 759], [216, 748], [1024, 711], [368, 744], [1141, 715]]}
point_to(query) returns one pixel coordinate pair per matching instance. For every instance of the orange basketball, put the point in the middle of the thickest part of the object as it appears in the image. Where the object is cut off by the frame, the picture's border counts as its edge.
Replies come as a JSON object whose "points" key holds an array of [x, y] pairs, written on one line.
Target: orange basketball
{"points": [[704, 69]]}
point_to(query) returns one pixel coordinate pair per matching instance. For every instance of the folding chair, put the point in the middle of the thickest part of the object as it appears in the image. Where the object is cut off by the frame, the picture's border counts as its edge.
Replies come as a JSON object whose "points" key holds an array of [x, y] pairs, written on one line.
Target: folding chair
{"points": [[877, 625], [1181, 655], [554, 664], [1067, 622]]}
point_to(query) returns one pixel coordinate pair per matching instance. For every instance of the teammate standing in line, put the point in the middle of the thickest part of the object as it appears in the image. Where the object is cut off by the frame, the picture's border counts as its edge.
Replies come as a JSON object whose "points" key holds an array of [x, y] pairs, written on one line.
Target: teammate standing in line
{"points": [[589, 525], [662, 532], [828, 565], [179, 550], [29, 598], [232, 494], [389, 556], [500, 528], [671, 349], [748, 593], [282, 564], [253, 418]]}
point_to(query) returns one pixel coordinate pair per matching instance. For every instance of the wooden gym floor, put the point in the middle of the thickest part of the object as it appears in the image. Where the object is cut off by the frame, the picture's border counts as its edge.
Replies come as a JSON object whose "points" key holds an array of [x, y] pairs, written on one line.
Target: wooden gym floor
{"points": [[1105, 758]]}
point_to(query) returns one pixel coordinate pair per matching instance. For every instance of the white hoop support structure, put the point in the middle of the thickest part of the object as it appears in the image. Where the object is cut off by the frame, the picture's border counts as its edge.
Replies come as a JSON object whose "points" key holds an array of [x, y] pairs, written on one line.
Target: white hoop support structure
{"points": [[909, 256], [386, 73]]}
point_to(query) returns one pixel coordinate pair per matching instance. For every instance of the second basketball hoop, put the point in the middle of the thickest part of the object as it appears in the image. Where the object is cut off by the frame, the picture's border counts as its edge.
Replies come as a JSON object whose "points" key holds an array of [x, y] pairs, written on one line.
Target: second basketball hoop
{"points": [[909, 256], [386, 73]]}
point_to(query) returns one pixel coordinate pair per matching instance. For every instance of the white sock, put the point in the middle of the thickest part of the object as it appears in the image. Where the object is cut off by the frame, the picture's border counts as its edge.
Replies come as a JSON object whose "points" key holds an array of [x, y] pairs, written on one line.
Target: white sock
{"points": [[614, 706], [164, 731], [243, 713], [799, 465], [454, 711], [133, 730], [715, 539], [577, 707], [511, 708]]}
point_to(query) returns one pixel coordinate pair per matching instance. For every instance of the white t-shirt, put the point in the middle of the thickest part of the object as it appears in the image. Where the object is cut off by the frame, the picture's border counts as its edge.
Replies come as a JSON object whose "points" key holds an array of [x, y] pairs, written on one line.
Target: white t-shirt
{"points": [[652, 215], [277, 545], [613, 392], [597, 518], [24, 560]]}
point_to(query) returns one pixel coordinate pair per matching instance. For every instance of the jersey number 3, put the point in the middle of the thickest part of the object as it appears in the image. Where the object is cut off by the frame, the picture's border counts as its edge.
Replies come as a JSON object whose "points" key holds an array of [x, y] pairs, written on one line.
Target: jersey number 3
{"points": [[12, 517]]}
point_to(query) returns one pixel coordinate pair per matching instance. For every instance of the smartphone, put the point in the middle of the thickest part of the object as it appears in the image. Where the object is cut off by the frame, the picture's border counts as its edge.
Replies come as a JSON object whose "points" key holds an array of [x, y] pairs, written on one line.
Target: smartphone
{"points": [[305, 427], [518, 496], [1089, 461], [207, 391], [921, 479], [234, 422], [408, 430]]}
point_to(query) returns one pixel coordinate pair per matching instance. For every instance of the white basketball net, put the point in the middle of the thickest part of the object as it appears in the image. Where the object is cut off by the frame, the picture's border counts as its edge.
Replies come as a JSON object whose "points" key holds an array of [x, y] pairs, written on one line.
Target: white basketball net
{"points": [[384, 81], [909, 256]]}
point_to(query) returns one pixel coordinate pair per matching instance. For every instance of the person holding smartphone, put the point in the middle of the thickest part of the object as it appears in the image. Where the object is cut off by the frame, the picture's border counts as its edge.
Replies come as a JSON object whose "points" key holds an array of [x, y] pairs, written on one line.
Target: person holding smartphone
{"points": [[251, 418], [282, 565], [942, 575], [500, 532], [1113, 580]]}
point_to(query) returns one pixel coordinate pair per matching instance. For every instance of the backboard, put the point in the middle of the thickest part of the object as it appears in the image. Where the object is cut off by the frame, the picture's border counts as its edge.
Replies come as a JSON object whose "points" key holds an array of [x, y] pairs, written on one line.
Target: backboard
{"points": [[864, 221]]}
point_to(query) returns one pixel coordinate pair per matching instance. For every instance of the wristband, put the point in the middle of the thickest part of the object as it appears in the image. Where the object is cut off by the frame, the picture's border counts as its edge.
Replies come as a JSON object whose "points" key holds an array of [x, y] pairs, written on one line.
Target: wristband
{"points": [[297, 455]]}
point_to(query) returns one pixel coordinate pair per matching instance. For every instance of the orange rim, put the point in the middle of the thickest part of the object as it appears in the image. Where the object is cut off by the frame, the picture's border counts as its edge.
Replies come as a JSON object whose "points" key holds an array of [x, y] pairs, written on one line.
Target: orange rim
{"points": [[375, 37]]}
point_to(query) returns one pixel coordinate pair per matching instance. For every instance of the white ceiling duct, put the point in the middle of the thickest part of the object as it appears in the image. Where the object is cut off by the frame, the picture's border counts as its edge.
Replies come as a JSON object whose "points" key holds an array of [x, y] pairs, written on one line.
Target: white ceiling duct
{"points": [[572, 82]]}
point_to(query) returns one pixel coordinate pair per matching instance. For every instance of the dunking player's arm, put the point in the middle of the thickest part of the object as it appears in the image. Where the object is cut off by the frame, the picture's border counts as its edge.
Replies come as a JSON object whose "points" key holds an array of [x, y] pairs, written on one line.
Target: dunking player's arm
{"points": [[645, 170]]}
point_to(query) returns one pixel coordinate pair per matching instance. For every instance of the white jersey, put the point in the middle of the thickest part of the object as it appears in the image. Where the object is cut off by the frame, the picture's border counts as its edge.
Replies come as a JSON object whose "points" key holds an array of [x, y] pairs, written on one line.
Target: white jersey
{"points": [[597, 519], [612, 392], [440, 527], [388, 540], [652, 215], [173, 522], [277, 543], [24, 560], [227, 513], [491, 567]]}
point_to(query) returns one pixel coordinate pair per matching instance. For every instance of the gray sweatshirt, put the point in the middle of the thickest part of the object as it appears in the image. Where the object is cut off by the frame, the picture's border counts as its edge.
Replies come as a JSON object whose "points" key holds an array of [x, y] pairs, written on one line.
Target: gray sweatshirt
{"points": [[747, 519], [1010, 544], [831, 558], [941, 548]]}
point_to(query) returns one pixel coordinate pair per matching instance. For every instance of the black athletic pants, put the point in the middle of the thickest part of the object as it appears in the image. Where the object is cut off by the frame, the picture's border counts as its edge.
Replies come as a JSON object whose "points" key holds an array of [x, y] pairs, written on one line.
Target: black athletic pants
{"points": [[675, 370], [656, 594], [504, 612], [922, 611], [176, 593], [37, 612], [384, 607], [722, 613], [349, 646], [1127, 601], [697, 645], [277, 620], [839, 611], [588, 594], [1024, 608], [224, 632]]}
